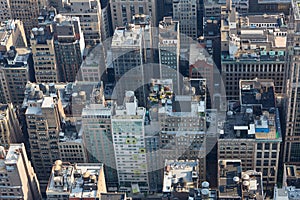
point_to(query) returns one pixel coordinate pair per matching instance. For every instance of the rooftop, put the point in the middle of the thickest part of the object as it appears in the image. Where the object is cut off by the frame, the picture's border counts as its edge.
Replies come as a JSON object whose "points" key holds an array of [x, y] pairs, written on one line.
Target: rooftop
{"points": [[180, 175], [79, 180], [113, 196], [227, 171], [6, 30], [252, 186], [258, 92], [127, 37], [291, 175], [255, 116], [254, 37], [10, 157], [168, 30], [16, 58], [286, 193], [164, 101], [41, 35]]}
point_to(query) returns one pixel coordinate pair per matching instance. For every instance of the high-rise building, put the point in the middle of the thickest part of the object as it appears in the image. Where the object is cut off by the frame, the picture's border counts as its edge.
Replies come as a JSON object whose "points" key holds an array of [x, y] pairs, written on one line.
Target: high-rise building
{"points": [[98, 139], [290, 184], [201, 66], [27, 12], [75, 181], [18, 179], [123, 11], [69, 46], [292, 144], [252, 46], [10, 131], [128, 132], [252, 131], [169, 50], [185, 11], [12, 34], [129, 57], [179, 123], [91, 24], [43, 119], [43, 52], [51, 132], [16, 68], [43, 126], [106, 27]]}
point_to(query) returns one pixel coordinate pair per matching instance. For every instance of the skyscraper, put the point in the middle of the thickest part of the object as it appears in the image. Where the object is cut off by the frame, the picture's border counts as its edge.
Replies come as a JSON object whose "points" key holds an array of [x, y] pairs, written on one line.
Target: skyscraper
{"points": [[12, 34], [169, 50], [5, 13], [252, 46], [129, 145], [292, 144], [43, 127], [26, 11], [91, 23], [185, 11], [75, 181], [18, 180], [98, 139], [129, 56], [15, 69], [252, 130], [69, 46], [43, 52]]}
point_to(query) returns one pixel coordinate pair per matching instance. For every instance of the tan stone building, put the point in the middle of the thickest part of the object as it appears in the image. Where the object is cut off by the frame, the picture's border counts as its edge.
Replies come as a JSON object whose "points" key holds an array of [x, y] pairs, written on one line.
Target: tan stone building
{"points": [[14, 71], [252, 131], [12, 34], [10, 131], [27, 12], [252, 46], [91, 23], [17, 177], [43, 53], [123, 11]]}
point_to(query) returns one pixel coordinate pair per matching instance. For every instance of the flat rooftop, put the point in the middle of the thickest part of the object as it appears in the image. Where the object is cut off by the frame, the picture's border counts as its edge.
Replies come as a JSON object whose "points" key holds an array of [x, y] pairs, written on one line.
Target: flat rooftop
{"points": [[255, 187], [292, 174], [179, 172], [258, 92], [168, 30], [80, 180], [227, 170], [254, 37], [129, 37], [13, 154], [255, 116]]}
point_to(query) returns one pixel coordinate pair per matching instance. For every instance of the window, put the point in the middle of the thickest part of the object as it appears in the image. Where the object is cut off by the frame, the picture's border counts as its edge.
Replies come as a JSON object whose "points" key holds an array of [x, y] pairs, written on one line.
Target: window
{"points": [[259, 146], [267, 146], [258, 163]]}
